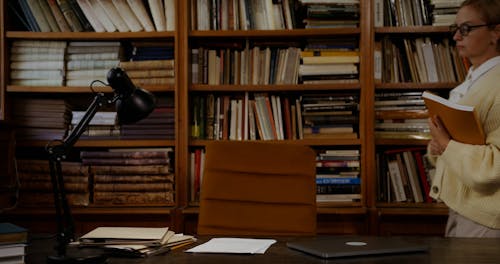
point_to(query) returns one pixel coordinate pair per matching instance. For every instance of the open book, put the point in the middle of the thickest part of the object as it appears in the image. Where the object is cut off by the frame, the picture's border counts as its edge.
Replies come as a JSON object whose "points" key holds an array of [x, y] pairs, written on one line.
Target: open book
{"points": [[461, 121]]}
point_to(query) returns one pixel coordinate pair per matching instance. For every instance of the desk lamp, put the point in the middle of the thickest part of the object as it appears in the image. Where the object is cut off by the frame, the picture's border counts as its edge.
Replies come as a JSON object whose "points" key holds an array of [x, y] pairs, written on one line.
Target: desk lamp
{"points": [[132, 104]]}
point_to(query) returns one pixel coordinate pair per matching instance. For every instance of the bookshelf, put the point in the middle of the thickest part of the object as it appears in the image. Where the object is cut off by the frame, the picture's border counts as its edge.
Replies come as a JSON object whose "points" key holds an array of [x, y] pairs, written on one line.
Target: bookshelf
{"points": [[366, 216], [395, 217]]}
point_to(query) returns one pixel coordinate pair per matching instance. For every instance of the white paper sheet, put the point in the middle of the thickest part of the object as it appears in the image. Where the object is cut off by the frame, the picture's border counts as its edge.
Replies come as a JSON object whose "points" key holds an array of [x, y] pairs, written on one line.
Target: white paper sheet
{"points": [[234, 246]]}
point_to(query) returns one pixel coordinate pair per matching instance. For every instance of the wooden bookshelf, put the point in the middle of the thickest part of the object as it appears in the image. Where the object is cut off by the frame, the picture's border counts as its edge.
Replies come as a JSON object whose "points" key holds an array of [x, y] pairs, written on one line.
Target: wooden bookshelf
{"points": [[364, 217]]}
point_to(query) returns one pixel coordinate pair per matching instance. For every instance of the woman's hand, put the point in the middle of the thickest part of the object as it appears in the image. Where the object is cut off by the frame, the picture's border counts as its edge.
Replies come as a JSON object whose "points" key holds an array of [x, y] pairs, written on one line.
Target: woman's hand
{"points": [[439, 134]]}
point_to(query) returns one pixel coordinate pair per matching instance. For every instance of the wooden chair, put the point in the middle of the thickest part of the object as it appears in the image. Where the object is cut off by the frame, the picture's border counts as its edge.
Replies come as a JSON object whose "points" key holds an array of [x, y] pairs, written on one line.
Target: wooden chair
{"points": [[258, 189]]}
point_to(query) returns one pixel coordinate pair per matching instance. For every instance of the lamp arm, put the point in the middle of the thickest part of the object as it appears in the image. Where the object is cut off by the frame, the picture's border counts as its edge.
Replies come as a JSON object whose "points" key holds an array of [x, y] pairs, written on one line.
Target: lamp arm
{"points": [[57, 153], [77, 131]]}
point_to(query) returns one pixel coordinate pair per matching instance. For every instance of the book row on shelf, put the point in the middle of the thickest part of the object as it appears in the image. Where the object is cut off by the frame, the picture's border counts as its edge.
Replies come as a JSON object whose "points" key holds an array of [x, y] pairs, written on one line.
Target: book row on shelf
{"points": [[420, 60], [94, 15], [403, 175], [272, 15], [264, 116], [117, 176], [403, 13], [79, 63], [324, 61], [337, 174], [54, 118]]}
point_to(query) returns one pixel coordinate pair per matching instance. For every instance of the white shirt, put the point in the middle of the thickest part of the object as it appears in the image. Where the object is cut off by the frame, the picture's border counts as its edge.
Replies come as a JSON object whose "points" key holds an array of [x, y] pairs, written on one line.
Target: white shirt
{"points": [[460, 91]]}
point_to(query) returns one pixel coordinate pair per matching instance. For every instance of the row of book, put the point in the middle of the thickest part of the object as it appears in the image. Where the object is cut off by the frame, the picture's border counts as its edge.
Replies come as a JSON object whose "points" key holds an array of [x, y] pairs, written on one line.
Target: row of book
{"points": [[444, 11], [54, 119], [403, 13], [403, 175], [79, 63], [111, 177], [418, 60], [318, 62], [257, 65], [242, 15], [263, 116], [95, 15], [337, 175], [273, 15]]}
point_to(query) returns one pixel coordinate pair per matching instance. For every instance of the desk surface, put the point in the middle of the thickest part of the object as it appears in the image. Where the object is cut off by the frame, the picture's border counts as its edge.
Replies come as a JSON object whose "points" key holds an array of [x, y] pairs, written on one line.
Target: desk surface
{"points": [[442, 250]]}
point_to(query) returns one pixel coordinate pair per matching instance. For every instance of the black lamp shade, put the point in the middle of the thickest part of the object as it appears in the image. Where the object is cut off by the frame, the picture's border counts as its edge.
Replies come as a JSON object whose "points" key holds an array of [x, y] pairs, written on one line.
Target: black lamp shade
{"points": [[135, 107], [133, 103]]}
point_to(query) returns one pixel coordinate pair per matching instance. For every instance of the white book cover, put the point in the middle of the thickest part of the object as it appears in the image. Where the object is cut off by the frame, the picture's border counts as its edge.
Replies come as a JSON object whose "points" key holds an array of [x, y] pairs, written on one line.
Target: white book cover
{"points": [[114, 15], [158, 13], [142, 15], [88, 11], [128, 15], [102, 16], [170, 15]]}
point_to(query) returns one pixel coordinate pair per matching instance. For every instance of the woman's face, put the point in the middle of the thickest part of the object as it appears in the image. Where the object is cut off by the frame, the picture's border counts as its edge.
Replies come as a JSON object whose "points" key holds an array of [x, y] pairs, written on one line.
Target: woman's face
{"points": [[479, 44]]}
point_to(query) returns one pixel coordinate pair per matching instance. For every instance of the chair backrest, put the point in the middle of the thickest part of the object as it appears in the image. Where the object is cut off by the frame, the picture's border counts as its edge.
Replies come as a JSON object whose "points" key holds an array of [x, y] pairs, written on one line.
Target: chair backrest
{"points": [[258, 189]]}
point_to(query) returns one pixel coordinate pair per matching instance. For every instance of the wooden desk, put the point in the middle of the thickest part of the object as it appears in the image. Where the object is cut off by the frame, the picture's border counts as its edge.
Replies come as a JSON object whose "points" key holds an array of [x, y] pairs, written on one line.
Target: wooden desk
{"points": [[442, 251]]}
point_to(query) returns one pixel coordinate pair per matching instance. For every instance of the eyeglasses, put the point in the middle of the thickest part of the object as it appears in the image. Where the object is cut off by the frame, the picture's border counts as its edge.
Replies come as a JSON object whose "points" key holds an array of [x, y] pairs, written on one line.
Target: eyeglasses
{"points": [[464, 29]]}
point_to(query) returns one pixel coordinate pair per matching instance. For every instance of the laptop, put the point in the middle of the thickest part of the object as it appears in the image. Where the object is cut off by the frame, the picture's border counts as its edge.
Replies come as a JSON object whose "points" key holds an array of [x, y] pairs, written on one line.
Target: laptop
{"points": [[354, 246]]}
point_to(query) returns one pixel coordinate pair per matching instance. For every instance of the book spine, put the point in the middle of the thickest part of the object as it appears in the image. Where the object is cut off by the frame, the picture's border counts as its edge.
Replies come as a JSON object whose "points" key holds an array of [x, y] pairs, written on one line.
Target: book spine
{"points": [[69, 15]]}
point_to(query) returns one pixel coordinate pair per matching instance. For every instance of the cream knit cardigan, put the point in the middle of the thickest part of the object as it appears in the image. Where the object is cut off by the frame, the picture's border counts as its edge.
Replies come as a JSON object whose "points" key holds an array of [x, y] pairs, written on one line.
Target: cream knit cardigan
{"points": [[467, 177]]}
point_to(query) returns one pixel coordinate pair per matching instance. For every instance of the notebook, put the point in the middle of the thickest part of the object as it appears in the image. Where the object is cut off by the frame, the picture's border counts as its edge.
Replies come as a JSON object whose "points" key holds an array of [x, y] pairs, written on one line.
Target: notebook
{"points": [[352, 246]]}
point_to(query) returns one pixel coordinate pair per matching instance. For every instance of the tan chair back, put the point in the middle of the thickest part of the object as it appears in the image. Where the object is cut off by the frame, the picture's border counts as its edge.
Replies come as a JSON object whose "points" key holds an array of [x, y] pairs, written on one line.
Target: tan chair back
{"points": [[258, 189]]}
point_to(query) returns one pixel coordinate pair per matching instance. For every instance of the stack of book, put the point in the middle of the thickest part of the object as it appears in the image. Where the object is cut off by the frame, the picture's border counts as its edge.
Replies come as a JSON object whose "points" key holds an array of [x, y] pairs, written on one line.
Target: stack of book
{"points": [[331, 14], [329, 61], [338, 175], [149, 62], [330, 115], [150, 72], [41, 119], [37, 62], [13, 240], [103, 124], [134, 241], [131, 176], [401, 115], [444, 12], [36, 185], [89, 61], [159, 124]]}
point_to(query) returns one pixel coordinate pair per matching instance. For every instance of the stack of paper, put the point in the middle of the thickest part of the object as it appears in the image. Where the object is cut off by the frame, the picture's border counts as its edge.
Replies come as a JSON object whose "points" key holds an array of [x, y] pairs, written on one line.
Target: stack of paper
{"points": [[135, 241]]}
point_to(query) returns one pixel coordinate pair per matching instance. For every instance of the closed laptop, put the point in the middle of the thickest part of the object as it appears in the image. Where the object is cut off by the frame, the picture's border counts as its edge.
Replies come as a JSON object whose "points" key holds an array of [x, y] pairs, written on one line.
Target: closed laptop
{"points": [[352, 246]]}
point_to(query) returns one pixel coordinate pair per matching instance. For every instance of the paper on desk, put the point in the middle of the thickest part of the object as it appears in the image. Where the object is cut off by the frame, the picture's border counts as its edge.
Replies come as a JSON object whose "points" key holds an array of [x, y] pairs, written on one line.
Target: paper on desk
{"points": [[234, 245]]}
